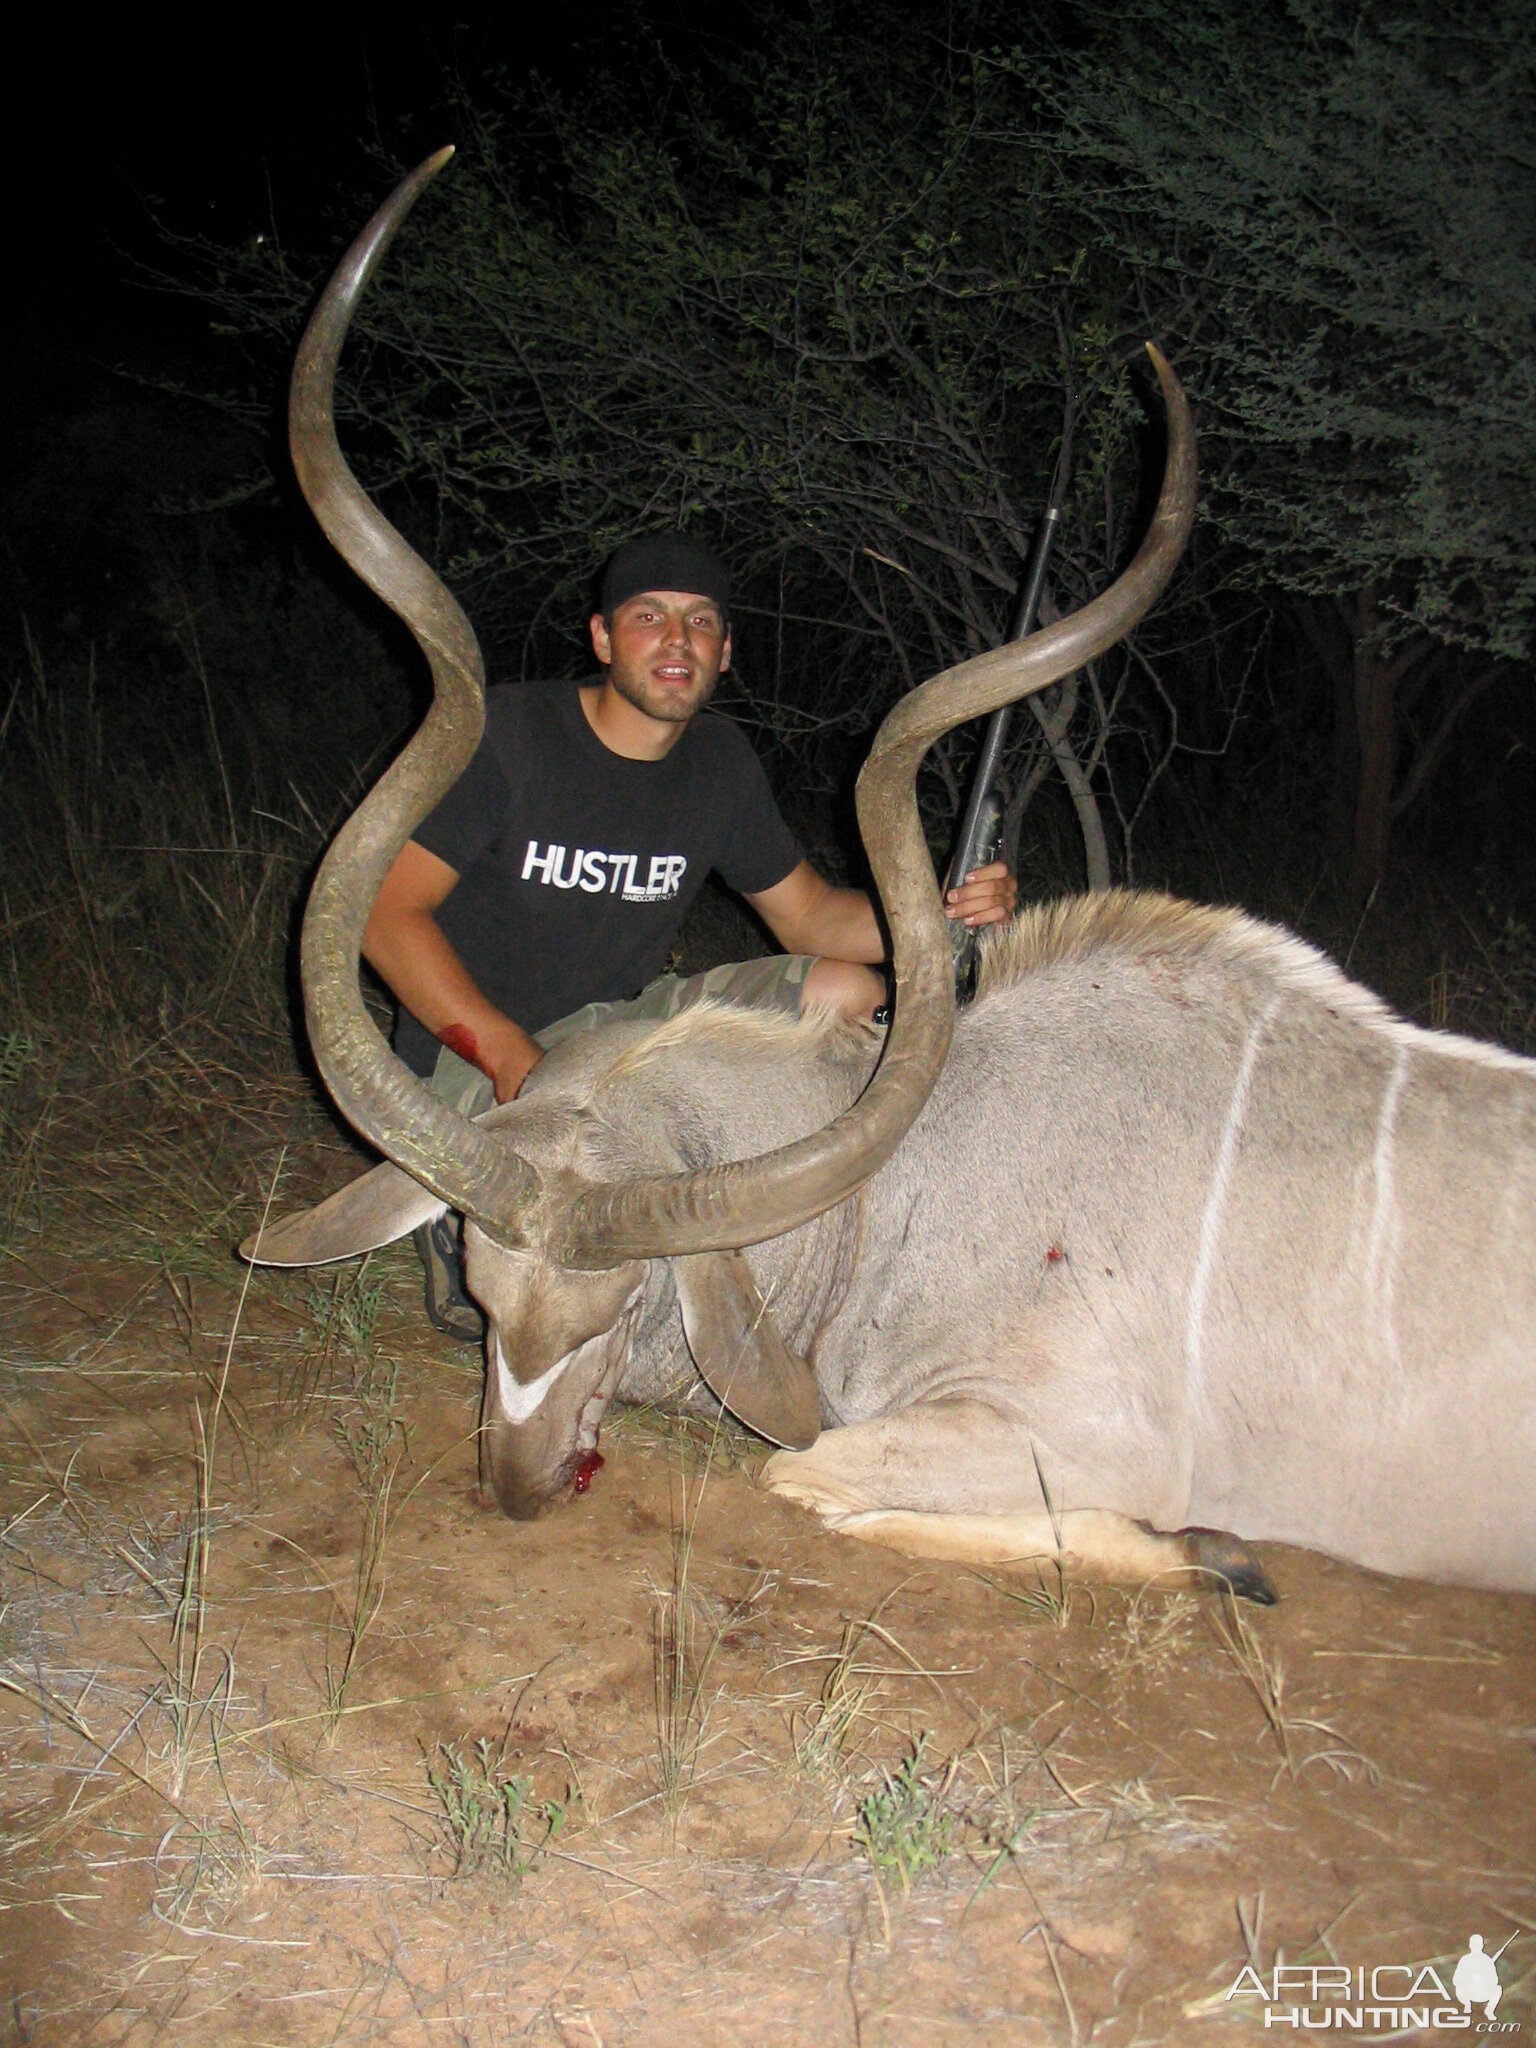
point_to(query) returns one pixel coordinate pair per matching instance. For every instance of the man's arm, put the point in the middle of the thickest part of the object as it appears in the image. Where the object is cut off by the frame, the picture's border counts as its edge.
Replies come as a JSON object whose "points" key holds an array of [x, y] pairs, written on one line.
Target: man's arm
{"points": [[806, 914], [404, 943]]}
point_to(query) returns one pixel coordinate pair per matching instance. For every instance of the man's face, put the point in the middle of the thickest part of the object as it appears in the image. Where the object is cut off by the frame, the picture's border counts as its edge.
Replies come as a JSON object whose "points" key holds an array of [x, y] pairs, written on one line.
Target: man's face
{"points": [[664, 650]]}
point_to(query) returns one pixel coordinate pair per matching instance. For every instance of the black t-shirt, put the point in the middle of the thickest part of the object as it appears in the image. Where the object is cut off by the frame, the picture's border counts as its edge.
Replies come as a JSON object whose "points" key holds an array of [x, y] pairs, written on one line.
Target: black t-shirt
{"points": [[576, 866]]}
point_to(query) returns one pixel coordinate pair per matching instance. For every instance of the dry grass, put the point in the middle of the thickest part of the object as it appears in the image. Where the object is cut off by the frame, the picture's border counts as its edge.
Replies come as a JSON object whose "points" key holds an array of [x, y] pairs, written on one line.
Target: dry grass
{"points": [[368, 1433], [197, 1675], [694, 1437], [187, 1704], [940, 1817], [686, 1638], [1152, 1633], [1054, 1594], [356, 1612], [829, 1731], [1000, 1798], [147, 1076], [1263, 1673]]}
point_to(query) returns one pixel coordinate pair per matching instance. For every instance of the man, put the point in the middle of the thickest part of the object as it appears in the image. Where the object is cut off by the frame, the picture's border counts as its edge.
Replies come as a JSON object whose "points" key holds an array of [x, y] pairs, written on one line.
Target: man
{"points": [[547, 887]]}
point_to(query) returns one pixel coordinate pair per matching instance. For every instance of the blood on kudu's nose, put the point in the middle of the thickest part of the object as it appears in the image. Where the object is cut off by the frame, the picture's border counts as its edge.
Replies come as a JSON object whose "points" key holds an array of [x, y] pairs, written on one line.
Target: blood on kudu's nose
{"points": [[588, 1465]]}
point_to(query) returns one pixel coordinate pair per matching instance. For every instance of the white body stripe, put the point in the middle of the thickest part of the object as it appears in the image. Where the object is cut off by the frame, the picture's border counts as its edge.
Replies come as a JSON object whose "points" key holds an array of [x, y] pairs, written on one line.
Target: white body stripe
{"points": [[1215, 1206], [1386, 1222]]}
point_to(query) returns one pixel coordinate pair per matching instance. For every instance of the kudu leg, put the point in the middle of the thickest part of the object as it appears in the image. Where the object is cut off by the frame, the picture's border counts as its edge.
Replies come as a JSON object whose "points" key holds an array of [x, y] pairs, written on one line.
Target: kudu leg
{"points": [[890, 1481]]}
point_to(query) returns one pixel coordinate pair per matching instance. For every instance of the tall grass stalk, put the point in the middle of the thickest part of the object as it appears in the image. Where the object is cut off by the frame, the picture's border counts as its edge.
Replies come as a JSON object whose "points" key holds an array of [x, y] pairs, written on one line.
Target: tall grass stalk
{"points": [[367, 1439], [133, 897], [825, 1737], [181, 1692], [369, 1584], [682, 1653]]}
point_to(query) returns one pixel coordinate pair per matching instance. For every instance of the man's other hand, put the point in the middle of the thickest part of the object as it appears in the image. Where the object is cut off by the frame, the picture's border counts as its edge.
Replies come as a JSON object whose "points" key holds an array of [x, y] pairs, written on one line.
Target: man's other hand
{"points": [[988, 895], [512, 1062]]}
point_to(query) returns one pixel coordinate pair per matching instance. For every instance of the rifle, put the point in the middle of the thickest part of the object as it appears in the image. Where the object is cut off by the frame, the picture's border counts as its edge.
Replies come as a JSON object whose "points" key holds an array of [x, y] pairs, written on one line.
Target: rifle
{"points": [[981, 827]]}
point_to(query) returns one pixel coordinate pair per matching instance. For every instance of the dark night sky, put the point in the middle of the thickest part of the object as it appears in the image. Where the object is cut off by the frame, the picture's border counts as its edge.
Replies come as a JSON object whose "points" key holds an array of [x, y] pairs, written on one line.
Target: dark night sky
{"points": [[221, 129], [209, 127], [215, 133], [216, 128]]}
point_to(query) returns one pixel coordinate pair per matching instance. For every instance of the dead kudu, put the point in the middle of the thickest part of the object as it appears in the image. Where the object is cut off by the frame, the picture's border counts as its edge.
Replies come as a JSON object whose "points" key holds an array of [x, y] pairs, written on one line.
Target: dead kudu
{"points": [[1250, 1254]]}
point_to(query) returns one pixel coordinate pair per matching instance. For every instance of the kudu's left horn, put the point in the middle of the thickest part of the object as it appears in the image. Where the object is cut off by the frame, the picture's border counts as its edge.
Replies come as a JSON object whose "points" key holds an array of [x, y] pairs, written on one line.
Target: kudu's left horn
{"points": [[392, 1108]]}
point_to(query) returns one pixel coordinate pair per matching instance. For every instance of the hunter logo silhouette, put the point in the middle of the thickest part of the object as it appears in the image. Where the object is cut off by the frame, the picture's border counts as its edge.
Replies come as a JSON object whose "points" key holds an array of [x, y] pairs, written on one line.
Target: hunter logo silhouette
{"points": [[1476, 1978]]}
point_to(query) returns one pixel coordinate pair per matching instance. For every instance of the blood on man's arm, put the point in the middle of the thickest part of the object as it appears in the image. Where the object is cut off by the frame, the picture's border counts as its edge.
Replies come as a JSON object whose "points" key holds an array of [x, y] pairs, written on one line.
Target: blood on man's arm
{"points": [[461, 1040]]}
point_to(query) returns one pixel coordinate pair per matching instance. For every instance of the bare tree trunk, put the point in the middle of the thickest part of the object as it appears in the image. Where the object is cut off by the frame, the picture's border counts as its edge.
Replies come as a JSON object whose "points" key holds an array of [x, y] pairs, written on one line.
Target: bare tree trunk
{"points": [[1432, 752], [1326, 627], [1378, 704], [1055, 723], [1346, 758], [1374, 681], [1347, 638]]}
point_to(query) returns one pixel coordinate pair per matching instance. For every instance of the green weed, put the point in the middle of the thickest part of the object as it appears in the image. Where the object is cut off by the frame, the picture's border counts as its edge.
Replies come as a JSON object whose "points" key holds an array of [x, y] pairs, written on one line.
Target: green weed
{"points": [[490, 1816], [345, 1311], [904, 1826], [369, 1431]]}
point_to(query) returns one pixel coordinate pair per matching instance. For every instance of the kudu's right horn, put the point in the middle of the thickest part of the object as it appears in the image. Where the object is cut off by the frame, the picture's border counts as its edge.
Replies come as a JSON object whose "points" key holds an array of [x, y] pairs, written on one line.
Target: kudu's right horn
{"points": [[752, 1199]]}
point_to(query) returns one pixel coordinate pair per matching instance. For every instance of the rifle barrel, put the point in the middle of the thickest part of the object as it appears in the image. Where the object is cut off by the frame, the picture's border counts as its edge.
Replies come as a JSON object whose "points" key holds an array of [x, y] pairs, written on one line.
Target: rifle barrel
{"points": [[1022, 624]]}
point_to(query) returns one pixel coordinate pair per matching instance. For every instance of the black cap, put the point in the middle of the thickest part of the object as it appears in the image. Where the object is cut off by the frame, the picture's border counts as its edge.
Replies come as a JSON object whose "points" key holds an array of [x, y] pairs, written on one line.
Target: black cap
{"points": [[663, 561]]}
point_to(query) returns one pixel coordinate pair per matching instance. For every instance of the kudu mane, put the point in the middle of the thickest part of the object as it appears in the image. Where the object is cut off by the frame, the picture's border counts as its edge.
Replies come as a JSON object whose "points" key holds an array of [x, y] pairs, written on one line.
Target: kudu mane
{"points": [[722, 1026], [1148, 927]]}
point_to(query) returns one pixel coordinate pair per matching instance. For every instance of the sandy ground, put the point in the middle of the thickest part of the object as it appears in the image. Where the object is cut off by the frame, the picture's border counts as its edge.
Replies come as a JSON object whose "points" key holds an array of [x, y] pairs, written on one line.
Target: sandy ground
{"points": [[864, 1801]]}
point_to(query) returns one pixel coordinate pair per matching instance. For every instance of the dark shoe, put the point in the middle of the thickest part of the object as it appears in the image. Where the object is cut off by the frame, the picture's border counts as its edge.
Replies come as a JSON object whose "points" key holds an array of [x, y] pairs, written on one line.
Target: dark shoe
{"points": [[449, 1308]]}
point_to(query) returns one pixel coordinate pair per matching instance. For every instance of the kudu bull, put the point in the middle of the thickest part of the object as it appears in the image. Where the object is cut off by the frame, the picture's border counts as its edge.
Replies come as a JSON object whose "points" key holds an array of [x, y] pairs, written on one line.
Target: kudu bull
{"points": [[1176, 1228]]}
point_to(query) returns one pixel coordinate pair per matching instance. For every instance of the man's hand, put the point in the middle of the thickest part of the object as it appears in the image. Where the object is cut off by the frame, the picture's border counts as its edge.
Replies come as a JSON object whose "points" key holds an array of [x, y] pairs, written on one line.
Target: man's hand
{"points": [[509, 1060], [503, 1051], [405, 944], [807, 915], [988, 895]]}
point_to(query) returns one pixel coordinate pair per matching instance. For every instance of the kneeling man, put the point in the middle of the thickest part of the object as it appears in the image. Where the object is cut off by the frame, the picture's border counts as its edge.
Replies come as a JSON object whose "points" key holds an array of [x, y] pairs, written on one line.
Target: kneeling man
{"points": [[544, 893]]}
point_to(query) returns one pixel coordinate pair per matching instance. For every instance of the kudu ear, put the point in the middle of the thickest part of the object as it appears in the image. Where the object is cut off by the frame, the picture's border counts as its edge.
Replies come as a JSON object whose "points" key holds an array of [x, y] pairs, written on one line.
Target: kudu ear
{"points": [[743, 1359], [370, 1212], [374, 1211]]}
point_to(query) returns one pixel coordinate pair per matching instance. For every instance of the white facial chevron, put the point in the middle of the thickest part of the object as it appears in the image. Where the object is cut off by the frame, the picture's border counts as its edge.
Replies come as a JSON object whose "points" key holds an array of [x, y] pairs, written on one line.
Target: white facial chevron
{"points": [[517, 1401]]}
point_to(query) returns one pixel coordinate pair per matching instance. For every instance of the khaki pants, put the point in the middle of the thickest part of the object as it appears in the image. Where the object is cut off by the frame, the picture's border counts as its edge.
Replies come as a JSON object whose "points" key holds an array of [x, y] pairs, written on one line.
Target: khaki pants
{"points": [[771, 984]]}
